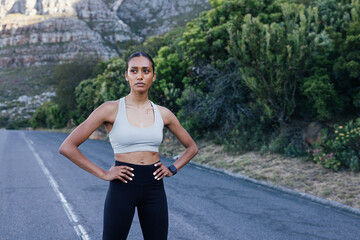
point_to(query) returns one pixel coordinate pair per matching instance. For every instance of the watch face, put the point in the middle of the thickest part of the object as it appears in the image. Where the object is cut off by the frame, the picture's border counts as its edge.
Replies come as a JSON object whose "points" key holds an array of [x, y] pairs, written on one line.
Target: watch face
{"points": [[173, 169]]}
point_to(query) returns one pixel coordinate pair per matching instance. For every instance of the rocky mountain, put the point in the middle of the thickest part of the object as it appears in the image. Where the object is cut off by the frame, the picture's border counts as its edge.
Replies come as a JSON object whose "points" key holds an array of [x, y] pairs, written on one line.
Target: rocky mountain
{"points": [[39, 32], [46, 31], [158, 17]]}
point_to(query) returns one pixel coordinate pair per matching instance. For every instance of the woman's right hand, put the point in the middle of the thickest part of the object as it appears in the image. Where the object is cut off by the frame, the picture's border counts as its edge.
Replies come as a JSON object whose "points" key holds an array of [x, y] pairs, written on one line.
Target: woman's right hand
{"points": [[123, 173]]}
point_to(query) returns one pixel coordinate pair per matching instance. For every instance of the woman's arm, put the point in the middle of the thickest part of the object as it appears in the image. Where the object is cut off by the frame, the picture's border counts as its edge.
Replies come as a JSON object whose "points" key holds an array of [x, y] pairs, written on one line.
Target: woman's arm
{"points": [[69, 148], [173, 124]]}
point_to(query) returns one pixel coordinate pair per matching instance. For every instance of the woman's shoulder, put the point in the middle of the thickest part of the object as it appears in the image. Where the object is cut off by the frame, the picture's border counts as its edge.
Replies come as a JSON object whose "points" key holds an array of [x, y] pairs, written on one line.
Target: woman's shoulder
{"points": [[166, 114], [163, 110], [109, 105], [106, 110]]}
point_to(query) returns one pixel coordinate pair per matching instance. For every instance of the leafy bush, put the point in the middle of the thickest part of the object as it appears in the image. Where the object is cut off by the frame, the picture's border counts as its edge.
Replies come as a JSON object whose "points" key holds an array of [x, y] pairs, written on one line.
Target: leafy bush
{"points": [[287, 140], [250, 134], [48, 115], [108, 86], [170, 71], [17, 124], [321, 94], [328, 160], [4, 120], [278, 143], [294, 150], [274, 56], [342, 148], [67, 76], [219, 104]]}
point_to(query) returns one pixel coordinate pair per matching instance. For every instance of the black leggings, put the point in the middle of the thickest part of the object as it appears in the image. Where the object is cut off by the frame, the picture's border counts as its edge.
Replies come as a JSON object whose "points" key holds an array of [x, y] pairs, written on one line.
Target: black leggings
{"points": [[143, 192]]}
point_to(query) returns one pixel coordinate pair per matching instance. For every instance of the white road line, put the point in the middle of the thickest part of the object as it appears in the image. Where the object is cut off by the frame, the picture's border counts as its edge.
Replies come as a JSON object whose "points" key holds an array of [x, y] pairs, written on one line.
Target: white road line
{"points": [[79, 229]]}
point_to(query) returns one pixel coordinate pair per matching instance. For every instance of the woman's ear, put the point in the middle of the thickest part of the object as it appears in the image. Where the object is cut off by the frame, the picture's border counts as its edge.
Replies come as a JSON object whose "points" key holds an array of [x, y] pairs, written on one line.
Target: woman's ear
{"points": [[126, 76], [154, 77]]}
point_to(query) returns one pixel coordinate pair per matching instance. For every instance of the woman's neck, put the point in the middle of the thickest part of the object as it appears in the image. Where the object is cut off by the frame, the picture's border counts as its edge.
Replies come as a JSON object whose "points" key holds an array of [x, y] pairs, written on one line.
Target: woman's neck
{"points": [[137, 100]]}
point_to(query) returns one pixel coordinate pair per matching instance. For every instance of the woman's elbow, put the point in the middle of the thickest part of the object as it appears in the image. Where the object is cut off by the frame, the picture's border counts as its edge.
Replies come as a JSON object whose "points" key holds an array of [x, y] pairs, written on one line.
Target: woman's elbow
{"points": [[63, 149], [195, 149]]}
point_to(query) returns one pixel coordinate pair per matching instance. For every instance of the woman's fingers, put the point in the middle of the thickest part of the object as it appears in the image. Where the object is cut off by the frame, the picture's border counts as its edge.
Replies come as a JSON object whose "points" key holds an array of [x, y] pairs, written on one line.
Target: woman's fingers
{"points": [[125, 170], [123, 173], [162, 171], [158, 164], [121, 179]]}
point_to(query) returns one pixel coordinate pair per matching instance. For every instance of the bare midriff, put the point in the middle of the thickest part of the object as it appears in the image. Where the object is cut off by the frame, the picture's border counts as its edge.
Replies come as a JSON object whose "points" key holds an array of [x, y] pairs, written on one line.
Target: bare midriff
{"points": [[140, 158]]}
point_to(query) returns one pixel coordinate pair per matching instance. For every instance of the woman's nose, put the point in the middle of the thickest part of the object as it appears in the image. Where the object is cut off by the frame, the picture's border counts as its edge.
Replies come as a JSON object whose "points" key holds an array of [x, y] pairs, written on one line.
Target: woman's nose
{"points": [[140, 75]]}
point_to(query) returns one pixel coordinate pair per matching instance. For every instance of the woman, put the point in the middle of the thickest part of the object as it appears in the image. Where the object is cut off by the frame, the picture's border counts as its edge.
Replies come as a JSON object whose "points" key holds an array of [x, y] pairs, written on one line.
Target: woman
{"points": [[135, 127]]}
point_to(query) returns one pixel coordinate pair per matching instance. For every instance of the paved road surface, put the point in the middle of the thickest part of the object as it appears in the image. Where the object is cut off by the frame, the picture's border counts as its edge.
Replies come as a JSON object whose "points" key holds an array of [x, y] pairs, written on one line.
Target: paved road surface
{"points": [[45, 196]]}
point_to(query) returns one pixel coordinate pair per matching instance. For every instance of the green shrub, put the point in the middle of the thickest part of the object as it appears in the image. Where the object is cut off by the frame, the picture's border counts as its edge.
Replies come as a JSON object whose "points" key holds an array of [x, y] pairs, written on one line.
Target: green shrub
{"points": [[110, 85], [294, 150], [342, 148], [321, 94], [287, 140], [278, 144], [249, 134], [4, 120], [17, 124], [274, 57], [67, 76], [328, 160], [170, 70], [48, 116], [220, 104]]}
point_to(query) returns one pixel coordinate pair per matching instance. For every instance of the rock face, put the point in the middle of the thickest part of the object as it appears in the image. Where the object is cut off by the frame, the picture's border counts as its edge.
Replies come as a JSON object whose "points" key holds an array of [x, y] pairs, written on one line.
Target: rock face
{"points": [[39, 32], [45, 31], [155, 17], [24, 106]]}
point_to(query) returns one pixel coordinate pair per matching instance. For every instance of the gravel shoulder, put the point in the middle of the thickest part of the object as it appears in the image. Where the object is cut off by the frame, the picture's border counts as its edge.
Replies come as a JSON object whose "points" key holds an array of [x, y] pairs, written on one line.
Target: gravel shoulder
{"points": [[297, 174]]}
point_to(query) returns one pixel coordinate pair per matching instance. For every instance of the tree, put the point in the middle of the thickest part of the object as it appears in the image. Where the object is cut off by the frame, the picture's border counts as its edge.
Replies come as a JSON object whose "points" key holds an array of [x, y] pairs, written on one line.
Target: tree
{"points": [[108, 86], [274, 56], [170, 71], [68, 76], [48, 116]]}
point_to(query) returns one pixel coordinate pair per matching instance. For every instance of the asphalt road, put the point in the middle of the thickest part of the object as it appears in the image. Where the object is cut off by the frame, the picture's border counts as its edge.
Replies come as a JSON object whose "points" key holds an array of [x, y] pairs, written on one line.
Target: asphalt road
{"points": [[45, 196]]}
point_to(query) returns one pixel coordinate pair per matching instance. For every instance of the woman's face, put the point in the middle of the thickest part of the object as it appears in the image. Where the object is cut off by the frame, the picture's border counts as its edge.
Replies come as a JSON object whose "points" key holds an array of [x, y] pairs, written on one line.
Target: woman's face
{"points": [[140, 74]]}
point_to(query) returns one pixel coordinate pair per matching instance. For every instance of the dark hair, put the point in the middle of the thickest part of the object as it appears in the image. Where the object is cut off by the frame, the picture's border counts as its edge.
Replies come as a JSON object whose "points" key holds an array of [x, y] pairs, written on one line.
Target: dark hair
{"points": [[140, 54]]}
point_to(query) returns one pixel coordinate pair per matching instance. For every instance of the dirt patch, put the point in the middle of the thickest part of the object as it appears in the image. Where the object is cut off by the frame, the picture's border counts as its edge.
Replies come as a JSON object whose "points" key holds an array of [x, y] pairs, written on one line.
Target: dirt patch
{"points": [[295, 173]]}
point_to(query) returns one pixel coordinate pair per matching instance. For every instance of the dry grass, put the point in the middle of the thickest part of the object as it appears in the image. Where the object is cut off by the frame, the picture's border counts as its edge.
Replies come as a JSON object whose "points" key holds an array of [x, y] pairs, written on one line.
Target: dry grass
{"points": [[294, 173]]}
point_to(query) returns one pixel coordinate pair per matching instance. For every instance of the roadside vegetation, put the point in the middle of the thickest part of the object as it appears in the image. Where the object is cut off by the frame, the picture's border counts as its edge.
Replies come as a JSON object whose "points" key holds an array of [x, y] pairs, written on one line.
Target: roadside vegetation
{"points": [[22, 91], [267, 76], [296, 173]]}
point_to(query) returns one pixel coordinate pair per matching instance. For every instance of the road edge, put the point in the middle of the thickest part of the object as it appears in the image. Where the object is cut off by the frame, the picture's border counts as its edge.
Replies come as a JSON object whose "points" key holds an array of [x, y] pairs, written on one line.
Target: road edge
{"points": [[307, 196]]}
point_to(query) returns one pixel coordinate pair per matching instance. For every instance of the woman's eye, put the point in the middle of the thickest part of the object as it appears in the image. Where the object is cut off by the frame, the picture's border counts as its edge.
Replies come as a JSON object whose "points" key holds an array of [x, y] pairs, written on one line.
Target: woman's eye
{"points": [[133, 71]]}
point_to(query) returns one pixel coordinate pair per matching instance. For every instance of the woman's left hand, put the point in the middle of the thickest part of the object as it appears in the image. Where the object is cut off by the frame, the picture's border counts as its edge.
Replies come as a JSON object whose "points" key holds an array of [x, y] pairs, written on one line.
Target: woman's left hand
{"points": [[162, 171]]}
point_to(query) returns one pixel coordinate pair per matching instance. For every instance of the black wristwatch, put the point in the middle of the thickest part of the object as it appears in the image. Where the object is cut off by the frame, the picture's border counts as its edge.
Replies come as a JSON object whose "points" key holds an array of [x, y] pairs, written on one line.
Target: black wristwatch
{"points": [[172, 169]]}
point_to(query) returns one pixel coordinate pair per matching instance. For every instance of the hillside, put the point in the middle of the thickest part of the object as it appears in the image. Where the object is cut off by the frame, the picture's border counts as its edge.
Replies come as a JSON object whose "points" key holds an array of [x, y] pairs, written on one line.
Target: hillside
{"points": [[37, 35], [42, 32]]}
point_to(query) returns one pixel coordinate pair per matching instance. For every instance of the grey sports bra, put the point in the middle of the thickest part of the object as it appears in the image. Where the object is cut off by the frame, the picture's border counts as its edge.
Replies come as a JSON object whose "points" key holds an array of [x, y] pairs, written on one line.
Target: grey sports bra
{"points": [[125, 138]]}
